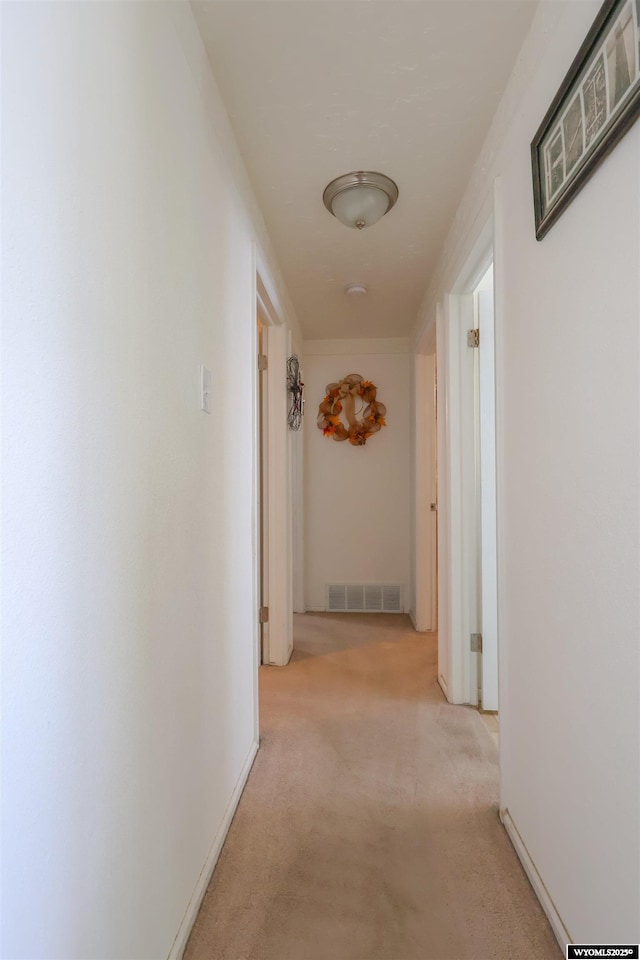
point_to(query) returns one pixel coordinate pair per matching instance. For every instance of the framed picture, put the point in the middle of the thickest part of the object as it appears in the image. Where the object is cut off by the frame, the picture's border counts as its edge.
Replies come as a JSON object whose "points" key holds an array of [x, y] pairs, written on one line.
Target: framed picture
{"points": [[598, 101]]}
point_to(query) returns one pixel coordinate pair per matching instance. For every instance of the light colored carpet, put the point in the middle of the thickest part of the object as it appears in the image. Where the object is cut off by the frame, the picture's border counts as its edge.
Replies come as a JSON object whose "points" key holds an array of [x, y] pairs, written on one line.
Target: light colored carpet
{"points": [[368, 829]]}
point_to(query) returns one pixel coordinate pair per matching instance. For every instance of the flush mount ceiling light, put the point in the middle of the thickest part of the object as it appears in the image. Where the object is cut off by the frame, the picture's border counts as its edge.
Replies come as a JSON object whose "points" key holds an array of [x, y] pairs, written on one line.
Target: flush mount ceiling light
{"points": [[355, 289], [360, 199]]}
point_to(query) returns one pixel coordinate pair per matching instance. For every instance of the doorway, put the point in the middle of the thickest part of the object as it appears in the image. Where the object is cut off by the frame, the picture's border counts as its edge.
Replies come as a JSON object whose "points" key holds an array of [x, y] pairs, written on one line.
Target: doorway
{"points": [[263, 489], [424, 611], [467, 507], [486, 652], [272, 526]]}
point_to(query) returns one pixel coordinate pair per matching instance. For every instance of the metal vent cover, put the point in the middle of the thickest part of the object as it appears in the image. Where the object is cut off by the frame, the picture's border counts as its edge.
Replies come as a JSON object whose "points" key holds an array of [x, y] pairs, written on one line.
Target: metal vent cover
{"points": [[336, 597], [364, 598]]}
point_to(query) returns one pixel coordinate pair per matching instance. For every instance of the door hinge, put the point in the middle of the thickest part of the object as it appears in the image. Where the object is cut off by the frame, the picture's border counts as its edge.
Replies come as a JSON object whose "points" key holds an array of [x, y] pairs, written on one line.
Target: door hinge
{"points": [[263, 615], [263, 362], [473, 338], [476, 643]]}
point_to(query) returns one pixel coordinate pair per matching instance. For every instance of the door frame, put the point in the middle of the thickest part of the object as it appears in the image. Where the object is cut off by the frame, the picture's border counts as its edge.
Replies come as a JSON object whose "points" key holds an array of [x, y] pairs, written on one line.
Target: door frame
{"points": [[279, 521], [263, 484], [457, 513], [487, 492], [425, 600]]}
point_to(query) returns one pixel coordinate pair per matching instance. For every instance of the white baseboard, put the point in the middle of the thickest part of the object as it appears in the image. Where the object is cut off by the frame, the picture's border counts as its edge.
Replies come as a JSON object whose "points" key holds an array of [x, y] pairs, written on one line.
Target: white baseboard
{"points": [[543, 895], [394, 612], [443, 685], [414, 621], [191, 912]]}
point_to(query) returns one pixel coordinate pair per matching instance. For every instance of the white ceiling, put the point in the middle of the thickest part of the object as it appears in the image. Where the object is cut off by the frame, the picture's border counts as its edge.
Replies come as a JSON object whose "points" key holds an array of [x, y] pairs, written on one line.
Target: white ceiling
{"points": [[317, 88]]}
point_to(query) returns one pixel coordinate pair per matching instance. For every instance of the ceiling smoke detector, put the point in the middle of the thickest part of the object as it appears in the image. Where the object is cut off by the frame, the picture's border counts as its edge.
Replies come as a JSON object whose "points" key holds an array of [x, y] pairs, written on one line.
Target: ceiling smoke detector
{"points": [[361, 198], [355, 289]]}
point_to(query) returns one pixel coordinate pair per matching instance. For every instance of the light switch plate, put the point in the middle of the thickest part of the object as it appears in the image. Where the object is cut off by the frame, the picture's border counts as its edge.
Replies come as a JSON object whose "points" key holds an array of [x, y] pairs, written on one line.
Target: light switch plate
{"points": [[205, 389]]}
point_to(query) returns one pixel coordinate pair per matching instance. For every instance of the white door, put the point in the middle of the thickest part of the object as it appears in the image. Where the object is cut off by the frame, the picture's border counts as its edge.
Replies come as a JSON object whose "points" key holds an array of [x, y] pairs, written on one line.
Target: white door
{"points": [[488, 534], [263, 494]]}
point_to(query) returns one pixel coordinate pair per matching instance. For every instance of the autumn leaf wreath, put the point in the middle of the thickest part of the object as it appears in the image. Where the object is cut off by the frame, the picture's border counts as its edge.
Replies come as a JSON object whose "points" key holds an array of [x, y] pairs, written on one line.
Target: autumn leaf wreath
{"points": [[343, 397]]}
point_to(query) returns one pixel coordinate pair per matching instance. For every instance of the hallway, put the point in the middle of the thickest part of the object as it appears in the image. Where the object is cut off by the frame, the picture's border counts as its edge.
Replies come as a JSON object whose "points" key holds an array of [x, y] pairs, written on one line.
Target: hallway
{"points": [[368, 829]]}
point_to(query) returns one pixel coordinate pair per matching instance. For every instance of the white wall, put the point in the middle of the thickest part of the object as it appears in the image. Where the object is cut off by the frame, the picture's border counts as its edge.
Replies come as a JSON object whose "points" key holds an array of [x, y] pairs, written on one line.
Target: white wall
{"points": [[129, 709], [567, 313], [357, 499]]}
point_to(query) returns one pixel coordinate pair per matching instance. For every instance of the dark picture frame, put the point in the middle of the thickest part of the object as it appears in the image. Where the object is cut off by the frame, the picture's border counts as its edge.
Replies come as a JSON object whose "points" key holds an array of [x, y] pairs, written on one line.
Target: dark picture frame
{"points": [[598, 101]]}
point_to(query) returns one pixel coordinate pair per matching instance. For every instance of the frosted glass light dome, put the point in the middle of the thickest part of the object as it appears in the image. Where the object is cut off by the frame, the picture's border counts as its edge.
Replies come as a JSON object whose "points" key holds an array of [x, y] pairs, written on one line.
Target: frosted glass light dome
{"points": [[360, 199]]}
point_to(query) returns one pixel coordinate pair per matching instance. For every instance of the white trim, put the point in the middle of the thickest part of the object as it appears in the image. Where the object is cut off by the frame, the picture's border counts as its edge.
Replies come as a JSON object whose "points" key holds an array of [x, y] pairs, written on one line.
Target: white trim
{"points": [[256, 493], [264, 477], [479, 259], [461, 553], [318, 609], [424, 494], [296, 445], [444, 497], [188, 920], [266, 303], [499, 314], [279, 502], [443, 685], [457, 482], [467, 268], [488, 500], [557, 924], [336, 348], [279, 466]]}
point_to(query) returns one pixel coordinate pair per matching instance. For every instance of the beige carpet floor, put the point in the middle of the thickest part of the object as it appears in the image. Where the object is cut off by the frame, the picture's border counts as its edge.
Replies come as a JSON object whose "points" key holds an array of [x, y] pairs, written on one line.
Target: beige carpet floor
{"points": [[368, 829]]}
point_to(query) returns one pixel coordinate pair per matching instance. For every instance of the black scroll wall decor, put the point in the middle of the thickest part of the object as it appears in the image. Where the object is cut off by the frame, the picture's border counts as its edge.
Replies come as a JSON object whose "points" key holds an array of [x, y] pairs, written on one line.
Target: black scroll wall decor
{"points": [[295, 388]]}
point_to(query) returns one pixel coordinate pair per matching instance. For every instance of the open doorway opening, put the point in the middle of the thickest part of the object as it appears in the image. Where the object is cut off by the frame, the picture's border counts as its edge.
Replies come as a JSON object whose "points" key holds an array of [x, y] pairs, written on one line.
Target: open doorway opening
{"points": [[263, 488], [425, 601], [486, 652], [474, 632], [467, 502], [272, 530]]}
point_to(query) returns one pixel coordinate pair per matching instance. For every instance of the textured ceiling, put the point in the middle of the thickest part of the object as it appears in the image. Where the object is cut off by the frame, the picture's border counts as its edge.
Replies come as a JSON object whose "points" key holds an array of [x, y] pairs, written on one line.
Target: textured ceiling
{"points": [[316, 88]]}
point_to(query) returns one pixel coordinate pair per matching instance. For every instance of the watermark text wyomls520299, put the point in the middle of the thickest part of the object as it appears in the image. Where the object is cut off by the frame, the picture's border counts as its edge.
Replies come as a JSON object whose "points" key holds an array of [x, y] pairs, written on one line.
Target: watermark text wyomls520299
{"points": [[628, 951]]}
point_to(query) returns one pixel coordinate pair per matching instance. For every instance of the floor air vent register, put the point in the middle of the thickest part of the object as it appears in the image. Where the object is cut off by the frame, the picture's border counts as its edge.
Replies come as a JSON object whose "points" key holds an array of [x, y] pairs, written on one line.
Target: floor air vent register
{"points": [[364, 598]]}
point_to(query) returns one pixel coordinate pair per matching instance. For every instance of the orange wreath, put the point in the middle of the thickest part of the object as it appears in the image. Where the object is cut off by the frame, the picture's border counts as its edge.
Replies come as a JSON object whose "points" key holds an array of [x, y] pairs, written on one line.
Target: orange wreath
{"points": [[343, 397]]}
